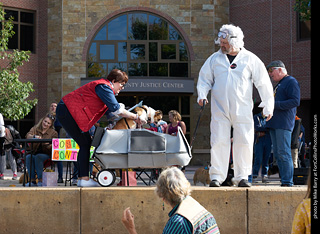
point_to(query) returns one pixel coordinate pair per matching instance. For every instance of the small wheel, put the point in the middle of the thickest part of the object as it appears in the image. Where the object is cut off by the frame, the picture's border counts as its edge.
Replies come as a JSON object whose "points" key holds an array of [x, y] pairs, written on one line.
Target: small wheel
{"points": [[106, 178]]}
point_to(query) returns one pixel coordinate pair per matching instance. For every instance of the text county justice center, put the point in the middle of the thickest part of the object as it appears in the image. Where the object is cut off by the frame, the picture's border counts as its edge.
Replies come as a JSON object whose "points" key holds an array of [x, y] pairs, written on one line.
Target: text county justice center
{"points": [[161, 44]]}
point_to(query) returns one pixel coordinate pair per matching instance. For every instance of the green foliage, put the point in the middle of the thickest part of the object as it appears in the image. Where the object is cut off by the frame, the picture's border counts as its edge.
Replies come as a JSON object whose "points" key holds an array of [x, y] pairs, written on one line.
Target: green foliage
{"points": [[13, 93], [304, 8]]}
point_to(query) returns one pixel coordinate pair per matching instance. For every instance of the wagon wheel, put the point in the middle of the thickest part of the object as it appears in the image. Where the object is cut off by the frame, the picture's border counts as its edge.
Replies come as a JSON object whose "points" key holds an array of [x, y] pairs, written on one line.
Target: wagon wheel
{"points": [[106, 178]]}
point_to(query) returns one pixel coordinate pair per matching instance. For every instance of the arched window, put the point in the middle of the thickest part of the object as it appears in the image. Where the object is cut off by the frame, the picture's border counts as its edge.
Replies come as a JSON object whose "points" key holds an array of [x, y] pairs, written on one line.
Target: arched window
{"points": [[155, 55], [141, 44]]}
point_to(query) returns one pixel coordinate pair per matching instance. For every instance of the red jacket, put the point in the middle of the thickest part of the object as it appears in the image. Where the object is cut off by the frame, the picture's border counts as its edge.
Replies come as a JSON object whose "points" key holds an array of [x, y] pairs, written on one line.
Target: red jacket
{"points": [[85, 106]]}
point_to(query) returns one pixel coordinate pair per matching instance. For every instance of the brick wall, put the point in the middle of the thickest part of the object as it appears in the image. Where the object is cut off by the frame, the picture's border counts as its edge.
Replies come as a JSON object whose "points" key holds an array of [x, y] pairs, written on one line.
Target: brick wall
{"points": [[270, 30], [54, 50], [36, 69]]}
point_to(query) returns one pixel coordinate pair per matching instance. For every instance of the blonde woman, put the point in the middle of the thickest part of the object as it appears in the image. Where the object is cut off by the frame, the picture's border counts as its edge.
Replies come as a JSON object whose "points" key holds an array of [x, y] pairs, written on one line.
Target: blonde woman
{"points": [[302, 218], [186, 216], [40, 151], [175, 119]]}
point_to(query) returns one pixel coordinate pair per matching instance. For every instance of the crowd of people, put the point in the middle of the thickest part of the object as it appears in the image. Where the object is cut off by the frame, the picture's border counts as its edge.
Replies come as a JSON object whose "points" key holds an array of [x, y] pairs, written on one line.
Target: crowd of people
{"points": [[274, 137], [48, 128], [78, 115]]}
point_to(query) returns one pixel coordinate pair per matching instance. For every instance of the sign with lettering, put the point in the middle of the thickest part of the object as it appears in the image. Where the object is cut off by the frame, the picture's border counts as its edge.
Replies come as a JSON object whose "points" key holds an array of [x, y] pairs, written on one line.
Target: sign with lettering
{"points": [[155, 85], [66, 149]]}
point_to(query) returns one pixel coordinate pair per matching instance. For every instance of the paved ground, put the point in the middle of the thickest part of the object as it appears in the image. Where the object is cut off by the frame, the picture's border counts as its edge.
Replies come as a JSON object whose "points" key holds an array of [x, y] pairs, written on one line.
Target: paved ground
{"points": [[8, 182]]}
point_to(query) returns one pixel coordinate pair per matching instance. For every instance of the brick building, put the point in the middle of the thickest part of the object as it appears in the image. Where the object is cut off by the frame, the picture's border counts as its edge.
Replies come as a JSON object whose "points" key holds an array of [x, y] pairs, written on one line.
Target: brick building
{"points": [[273, 31], [30, 25], [161, 44]]}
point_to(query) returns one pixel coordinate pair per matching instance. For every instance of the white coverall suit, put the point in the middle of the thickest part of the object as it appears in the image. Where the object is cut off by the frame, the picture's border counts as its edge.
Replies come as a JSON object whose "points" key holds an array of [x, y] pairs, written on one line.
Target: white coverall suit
{"points": [[231, 105]]}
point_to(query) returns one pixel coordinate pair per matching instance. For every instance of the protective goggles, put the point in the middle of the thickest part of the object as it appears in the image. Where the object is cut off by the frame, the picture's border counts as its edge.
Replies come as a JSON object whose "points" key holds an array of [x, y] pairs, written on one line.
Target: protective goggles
{"points": [[224, 35]]}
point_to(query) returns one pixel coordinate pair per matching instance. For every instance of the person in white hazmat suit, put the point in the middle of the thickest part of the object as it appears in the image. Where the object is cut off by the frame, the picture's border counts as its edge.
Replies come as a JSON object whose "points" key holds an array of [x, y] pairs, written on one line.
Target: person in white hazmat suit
{"points": [[230, 74]]}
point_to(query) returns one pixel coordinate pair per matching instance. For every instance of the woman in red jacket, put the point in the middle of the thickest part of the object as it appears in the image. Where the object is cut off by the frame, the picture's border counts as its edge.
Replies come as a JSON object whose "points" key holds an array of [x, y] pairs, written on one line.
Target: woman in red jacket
{"points": [[79, 110]]}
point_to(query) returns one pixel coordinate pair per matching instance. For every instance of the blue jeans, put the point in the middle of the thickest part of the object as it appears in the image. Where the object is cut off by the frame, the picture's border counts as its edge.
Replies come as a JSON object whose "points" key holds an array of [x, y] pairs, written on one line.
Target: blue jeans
{"points": [[262, 152], [37, 164], [82, 138], [60, 169], [281, 141]]}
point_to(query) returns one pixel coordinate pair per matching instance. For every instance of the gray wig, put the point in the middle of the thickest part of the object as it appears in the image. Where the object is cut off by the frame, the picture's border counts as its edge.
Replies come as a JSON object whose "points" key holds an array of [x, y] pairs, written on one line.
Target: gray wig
{"points": [[235, 36]]}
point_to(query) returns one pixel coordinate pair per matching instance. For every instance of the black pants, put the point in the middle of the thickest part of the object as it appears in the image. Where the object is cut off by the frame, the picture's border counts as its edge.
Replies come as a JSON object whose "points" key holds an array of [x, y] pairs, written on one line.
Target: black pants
{"points": [[82, 138], [2, 139]]}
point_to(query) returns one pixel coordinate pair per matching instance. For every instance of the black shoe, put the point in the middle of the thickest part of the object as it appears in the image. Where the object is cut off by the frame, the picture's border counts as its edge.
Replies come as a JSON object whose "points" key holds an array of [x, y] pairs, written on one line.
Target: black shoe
{"points": [[60, 181], [214, 183], [244, 183], [286, 185]]}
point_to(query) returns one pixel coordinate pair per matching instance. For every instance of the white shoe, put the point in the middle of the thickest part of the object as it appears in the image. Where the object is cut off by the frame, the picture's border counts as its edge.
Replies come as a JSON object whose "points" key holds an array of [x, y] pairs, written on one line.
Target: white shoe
{"points": [[87, 183]]}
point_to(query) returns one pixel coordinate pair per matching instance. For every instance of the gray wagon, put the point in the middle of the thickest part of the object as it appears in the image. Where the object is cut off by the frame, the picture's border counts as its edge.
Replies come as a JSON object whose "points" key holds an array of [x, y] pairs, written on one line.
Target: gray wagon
{"points": [[137, 149]]}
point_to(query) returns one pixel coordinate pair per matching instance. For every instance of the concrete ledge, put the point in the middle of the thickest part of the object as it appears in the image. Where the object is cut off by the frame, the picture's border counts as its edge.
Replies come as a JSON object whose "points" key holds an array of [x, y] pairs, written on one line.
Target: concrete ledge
{"points": [[99, 210], [228, 206], [40, 210], [105, 208], [272, 209]]}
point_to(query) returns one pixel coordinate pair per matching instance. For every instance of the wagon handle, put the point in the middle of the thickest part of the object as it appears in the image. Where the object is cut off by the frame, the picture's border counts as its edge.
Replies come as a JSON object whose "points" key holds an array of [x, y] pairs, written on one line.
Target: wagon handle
{"points": [[198, 122]]}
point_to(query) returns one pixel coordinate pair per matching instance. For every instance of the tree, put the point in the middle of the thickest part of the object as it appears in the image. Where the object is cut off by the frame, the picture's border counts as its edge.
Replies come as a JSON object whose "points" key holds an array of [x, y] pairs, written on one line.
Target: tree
{"points": [[304, 8], [13, 93]]}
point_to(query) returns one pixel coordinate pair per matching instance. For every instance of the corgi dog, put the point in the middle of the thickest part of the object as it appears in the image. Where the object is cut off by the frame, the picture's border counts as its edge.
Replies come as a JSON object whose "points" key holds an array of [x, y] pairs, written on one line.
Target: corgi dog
{"points": [[201, 175]]}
